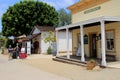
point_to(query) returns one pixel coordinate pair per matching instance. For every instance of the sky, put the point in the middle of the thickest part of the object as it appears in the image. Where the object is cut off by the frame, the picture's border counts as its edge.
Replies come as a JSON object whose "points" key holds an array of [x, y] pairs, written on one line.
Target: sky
{"points": [[4, 5]]}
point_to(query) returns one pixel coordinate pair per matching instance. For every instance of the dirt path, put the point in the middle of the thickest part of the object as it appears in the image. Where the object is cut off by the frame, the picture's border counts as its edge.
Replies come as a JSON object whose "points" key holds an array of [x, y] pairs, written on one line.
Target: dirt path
{"points": [[73, 72], [14, 70]]}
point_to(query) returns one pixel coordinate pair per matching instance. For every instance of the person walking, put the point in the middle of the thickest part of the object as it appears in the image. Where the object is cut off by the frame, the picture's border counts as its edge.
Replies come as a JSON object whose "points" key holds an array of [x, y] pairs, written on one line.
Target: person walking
{"points": [[10, 52]]}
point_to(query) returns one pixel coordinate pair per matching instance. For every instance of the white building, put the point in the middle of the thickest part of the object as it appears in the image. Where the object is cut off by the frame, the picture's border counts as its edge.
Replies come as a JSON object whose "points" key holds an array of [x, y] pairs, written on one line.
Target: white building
{"points": [[38, 35]]}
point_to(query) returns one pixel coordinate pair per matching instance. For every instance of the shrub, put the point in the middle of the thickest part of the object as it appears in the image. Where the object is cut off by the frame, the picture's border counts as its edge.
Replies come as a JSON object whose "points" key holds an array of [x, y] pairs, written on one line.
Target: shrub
{"points": [[92, 61], [49, 50]]}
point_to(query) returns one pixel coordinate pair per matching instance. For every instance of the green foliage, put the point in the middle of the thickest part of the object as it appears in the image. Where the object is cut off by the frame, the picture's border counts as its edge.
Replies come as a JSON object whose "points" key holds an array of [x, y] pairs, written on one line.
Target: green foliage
{"points": [[2, 40], [23, 16], [8, 42], [49, 50], [64, 17], [92, 61], [49, 38]]}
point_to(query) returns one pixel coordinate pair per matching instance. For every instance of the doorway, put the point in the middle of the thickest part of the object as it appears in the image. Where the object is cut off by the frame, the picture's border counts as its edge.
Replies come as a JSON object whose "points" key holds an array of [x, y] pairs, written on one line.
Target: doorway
{"points": [[93, 45]]}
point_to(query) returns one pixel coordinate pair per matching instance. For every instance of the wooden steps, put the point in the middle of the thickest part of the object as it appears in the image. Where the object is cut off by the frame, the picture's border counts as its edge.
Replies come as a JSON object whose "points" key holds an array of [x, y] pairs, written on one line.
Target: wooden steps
{"points": [[70, 61]]}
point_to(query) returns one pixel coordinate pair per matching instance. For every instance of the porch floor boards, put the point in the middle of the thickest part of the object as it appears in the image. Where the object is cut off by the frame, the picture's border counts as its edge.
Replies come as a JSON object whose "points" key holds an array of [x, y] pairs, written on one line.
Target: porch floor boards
{"points": [[76, 60], [70, 61]]}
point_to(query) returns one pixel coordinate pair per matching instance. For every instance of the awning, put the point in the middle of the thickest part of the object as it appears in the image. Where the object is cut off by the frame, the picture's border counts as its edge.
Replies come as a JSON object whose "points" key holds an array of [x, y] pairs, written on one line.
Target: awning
{"points": [[23, 38]]}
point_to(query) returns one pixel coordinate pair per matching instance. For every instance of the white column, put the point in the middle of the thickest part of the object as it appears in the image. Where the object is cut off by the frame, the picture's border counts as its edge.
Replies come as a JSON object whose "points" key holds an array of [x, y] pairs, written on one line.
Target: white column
{"points": [[103, 43], [67, 41], [28, 47], [57, 43], [82, 44]]}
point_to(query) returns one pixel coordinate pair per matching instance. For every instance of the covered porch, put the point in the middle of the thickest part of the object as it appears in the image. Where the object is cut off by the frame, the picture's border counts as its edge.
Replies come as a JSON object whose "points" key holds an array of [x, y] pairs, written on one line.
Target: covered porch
{"points": [[81, 25]]}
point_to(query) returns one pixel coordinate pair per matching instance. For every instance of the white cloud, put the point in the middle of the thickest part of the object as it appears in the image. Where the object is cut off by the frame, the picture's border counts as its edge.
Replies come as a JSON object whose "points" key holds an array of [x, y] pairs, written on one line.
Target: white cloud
{"points": [[60, 3]]}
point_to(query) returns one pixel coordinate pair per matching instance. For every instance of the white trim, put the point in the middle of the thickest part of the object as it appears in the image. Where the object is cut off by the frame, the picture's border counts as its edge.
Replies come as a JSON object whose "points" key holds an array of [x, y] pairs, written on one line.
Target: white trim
{"points": [[105, 18], [103, 43], [57, 43], [67, 42], [90, 21], [82, 44]]}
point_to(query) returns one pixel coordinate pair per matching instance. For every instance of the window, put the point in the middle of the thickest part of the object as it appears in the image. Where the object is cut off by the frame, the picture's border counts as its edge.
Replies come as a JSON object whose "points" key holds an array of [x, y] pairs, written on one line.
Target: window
{"points": [[110, 40]]}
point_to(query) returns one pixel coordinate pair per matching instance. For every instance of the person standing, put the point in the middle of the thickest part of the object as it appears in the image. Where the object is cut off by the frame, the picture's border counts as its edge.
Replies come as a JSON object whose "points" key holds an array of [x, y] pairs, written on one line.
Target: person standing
{"points": [[17, 49], [23, 53], [23, 49], [10, 52]]}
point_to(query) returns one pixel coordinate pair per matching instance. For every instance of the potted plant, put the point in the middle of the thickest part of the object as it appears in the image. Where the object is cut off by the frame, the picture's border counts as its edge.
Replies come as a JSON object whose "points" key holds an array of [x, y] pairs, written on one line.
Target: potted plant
{"points": [[49, 50], [91, 64], [49, 39]]}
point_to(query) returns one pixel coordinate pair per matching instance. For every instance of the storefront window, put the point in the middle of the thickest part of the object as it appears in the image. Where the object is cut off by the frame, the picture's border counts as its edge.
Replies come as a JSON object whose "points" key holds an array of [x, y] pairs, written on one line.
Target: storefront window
{"points": [[110, 40]]}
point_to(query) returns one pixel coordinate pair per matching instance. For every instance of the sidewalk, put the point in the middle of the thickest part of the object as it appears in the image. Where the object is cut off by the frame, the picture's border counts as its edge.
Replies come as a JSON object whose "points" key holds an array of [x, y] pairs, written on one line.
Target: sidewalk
{"points": [[14, 70]]}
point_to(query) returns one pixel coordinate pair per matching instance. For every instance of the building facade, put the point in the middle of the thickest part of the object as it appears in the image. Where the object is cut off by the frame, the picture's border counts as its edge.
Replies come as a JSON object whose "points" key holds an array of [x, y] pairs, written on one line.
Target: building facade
{"points": [[96, 28], [39, 33]]}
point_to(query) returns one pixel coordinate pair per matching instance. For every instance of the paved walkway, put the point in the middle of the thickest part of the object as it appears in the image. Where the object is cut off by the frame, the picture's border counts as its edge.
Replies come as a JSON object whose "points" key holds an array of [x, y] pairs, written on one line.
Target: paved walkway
{"points": [[14, 70]]}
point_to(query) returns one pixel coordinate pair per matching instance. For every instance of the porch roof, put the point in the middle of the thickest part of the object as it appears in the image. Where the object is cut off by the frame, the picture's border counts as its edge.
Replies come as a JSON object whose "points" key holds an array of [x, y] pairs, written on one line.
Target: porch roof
{"points": [[90, 21]]}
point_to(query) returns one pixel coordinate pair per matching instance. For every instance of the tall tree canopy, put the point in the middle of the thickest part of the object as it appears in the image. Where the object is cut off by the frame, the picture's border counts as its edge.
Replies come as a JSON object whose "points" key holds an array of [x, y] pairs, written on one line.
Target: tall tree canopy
{"points": [[64, 17], [23, 16]]}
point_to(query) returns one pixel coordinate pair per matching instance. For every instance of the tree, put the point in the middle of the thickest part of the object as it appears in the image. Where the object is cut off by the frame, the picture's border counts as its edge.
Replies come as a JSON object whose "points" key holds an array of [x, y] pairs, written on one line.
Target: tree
{"points": [[23, 16], [49, 39], [2, 40], [64, 17]]}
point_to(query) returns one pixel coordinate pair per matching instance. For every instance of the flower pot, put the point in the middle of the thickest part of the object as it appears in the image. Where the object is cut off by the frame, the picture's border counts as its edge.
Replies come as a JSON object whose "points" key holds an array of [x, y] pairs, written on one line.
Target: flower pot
{"points": [[90, 65]]}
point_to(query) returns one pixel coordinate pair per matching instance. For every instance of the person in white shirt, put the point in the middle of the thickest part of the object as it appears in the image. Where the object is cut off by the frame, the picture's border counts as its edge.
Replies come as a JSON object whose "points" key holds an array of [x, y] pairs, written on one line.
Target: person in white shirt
{"points": [[23, 49], [23, 53]]}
